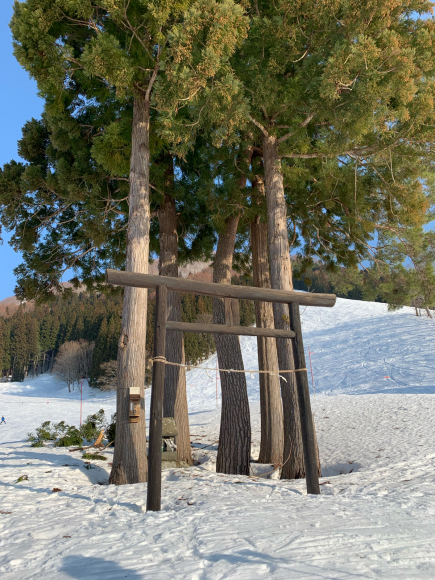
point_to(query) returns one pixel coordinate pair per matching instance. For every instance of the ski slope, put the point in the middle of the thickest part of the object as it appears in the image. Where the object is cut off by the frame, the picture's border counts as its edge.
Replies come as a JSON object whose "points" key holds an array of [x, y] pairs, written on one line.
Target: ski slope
{"points": [[374, 376]]}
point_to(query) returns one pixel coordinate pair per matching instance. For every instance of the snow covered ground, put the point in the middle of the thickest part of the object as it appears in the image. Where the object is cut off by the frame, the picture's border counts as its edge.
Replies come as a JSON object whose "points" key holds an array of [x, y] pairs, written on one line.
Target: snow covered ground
{"points": [[375, 517]]}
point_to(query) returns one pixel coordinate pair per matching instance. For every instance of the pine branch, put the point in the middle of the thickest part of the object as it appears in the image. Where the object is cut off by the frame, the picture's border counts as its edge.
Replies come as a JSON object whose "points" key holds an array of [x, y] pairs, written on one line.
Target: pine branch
{"points": [[300, 126], [259, 125]]}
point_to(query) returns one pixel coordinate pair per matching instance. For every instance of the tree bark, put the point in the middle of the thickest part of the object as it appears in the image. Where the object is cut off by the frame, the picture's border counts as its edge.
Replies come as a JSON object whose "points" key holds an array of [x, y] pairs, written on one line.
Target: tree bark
{"points": [[130, 463], [272, 428], [234, 450], [175, 397], [281, 278]]}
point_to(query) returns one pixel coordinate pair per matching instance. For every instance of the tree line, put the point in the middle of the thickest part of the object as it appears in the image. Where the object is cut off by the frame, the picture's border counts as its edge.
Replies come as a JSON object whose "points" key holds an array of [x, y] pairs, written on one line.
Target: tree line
{"points": [[37, 337], [231, 131], [33, 335]]}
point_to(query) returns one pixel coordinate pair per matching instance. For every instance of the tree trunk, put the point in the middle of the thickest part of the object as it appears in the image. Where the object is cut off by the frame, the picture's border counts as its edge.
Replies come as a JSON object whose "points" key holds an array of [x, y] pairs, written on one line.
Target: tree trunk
{"points": [[234, 450], [272, 428], [281, 278], [175, 397], [130, 463]]}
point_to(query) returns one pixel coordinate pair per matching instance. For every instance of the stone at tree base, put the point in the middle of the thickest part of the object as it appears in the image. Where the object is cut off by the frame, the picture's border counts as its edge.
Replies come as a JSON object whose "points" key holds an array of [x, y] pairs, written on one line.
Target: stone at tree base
{"points": [[169, 456], [169, 428]]}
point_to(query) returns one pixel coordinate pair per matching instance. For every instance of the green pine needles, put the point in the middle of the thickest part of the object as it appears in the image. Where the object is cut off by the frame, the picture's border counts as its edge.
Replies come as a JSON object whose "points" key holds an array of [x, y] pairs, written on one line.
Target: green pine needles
{"points": [[64, 435]]}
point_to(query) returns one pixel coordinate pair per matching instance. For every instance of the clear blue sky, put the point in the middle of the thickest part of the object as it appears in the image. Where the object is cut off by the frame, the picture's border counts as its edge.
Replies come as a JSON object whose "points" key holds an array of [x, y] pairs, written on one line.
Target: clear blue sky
{"points": [[19, 102]]}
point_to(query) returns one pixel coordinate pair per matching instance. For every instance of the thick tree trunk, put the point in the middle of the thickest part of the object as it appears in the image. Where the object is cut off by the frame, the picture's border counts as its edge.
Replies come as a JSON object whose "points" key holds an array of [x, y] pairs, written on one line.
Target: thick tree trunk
{"points": [[235, 431], [281, 278], [272, 428], [130, 463], [175, 397]]}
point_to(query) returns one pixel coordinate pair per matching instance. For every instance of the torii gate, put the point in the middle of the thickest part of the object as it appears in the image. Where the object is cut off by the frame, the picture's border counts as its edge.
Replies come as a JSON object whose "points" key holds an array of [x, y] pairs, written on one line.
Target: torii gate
{"points": [[183, 285]]}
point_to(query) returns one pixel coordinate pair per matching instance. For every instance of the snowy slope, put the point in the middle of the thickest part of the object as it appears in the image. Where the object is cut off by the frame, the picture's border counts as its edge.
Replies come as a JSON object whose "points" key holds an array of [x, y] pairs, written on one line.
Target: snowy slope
{"points": [[26, 405], [359, 348], [375, 517]]}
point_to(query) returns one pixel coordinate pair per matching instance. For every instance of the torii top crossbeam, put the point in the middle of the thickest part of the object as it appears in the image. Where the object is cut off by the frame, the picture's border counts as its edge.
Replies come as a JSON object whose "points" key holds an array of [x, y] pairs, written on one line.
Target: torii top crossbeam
{"points": [[187, 286]]}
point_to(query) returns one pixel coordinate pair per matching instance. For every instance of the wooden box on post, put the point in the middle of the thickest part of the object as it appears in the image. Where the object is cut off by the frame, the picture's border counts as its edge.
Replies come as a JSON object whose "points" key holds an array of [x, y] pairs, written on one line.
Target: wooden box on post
{"points": [[134, 410]]}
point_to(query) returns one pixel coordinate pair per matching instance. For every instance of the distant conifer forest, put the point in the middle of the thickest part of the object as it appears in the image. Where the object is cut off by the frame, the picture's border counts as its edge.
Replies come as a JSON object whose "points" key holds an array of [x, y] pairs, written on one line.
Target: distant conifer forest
{"points": [[31, 337]]}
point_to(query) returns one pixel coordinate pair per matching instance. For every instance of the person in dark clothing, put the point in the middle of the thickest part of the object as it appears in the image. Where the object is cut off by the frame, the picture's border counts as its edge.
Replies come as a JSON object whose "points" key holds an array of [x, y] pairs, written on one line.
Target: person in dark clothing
{"points": [[3, 421]]}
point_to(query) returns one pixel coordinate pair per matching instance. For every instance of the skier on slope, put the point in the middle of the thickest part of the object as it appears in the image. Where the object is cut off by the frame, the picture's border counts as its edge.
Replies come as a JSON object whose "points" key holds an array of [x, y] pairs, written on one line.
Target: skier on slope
{"points": [[3, 420]]}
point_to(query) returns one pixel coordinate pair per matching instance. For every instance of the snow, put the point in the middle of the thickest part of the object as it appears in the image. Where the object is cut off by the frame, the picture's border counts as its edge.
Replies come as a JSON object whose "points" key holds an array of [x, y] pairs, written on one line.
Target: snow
{"points": [[375, 517]]}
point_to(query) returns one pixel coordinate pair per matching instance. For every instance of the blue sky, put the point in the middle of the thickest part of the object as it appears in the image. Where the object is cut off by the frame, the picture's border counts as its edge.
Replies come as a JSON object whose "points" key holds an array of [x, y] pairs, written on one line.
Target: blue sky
{"points": [[19, 102]]}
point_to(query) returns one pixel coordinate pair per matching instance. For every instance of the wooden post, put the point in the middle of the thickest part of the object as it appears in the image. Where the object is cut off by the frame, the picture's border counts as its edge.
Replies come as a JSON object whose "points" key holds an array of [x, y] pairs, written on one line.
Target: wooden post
{"points": [[307, 423], [235, 311], [154, 491]]}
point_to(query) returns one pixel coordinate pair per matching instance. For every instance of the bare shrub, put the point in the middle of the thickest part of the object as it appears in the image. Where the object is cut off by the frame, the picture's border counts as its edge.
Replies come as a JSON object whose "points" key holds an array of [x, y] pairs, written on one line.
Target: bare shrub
{"points": [[419, 302], [73, 361], [108, 379], [66, 364], [85, 357]]}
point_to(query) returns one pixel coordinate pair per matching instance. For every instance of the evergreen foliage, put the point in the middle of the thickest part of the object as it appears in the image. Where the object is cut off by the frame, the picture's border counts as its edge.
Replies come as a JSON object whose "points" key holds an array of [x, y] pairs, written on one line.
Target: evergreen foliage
{"points": [[342, 94], [94, 456], [91, 428], [41, 434], [72, 436], [65, 435], [111, 430], [403, 275]]}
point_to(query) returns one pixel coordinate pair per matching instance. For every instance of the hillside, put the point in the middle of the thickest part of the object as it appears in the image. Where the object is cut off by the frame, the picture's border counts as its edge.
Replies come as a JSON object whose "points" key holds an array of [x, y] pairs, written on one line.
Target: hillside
{"points": [[32, 336], [374, 377], [11, 304], [195, 270]]}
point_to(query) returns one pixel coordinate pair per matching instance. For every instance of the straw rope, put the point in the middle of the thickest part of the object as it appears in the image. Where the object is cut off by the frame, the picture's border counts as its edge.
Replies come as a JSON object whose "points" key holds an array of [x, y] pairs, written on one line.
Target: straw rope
{"points": [[162, 359]]}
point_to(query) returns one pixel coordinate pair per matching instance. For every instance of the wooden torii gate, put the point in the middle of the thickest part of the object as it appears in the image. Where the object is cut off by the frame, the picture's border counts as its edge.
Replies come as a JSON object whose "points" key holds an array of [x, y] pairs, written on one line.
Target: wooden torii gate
{"points": [[230, 293]]}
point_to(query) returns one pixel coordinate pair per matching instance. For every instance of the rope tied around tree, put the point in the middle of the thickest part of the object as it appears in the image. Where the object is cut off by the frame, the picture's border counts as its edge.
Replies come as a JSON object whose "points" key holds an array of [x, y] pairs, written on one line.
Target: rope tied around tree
{"points": [[162, 359]]}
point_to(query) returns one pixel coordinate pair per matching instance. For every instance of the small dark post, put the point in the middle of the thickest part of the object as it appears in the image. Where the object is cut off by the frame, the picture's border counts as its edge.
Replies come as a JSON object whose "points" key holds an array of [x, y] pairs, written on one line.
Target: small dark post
{"points": [[154, 492], [307, 423], [228, 312], [235, 311], [232, 312]]}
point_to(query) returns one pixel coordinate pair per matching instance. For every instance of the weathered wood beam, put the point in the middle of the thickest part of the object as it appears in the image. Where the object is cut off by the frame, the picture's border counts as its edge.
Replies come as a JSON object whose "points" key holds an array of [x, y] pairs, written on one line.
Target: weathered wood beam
{"points": [[307, 421], [223, 329], [187, 286], [154, 490]]}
